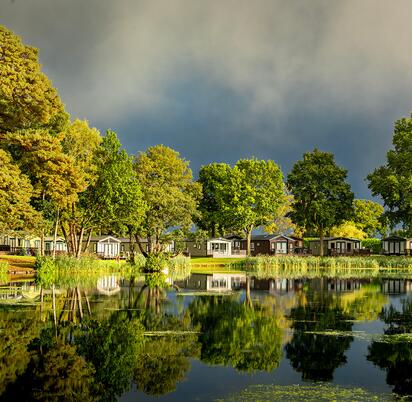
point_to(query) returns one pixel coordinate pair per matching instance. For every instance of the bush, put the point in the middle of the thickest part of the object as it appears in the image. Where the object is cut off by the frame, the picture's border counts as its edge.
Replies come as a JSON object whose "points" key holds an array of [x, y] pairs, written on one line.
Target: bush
{"points": [[375, 245]]}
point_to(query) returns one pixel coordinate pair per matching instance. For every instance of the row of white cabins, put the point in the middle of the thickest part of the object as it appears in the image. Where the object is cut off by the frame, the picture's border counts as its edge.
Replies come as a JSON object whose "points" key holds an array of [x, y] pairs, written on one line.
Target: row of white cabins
{"points": [[107, 246]]}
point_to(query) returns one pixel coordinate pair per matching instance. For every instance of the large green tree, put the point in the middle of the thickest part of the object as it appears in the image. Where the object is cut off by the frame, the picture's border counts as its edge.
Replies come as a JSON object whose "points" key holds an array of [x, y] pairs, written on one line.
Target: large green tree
{"points": [[213, 178], [393, 181], [113, 196], [254, 194], [27, 97], [170, 194], [55, 178], [322, 197]]}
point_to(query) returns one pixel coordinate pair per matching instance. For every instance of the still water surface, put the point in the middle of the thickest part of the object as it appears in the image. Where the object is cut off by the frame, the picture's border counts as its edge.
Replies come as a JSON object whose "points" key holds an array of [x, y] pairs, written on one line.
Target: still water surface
{"points": [[210, 337]]}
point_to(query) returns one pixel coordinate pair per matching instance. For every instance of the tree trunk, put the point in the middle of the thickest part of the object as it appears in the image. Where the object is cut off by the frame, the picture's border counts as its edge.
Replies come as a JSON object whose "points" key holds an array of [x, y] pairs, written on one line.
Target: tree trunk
{"points": [[66, 238], [248, 240], [89, 236], [55, 234], [42, 243], [72, 240], [131, 248], [79, 243], [321, 236], [142, 250]]}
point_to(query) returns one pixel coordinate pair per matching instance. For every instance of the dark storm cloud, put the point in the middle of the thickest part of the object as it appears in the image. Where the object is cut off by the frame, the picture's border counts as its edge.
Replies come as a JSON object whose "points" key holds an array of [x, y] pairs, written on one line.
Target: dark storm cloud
{"points": [[220, 80]]}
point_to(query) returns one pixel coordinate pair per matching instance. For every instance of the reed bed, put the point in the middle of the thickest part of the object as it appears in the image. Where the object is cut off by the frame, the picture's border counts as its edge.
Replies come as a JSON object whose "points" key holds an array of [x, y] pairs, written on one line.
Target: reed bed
{"points": [[179, 267], [310, 267]]}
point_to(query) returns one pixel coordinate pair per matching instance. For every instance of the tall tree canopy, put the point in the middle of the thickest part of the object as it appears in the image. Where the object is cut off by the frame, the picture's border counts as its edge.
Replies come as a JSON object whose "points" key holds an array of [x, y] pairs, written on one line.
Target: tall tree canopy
{"points": [[368, 217], [112, 198], [169, 191], [213, 178], [15, 195], [27, 97], [393, 181], [254, 193], [322, 197]]}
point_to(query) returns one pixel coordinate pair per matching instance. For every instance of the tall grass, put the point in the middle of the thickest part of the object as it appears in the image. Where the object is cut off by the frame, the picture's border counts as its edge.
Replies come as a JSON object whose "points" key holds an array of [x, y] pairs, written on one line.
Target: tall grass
{"points": [[292, 266], [179, 267], [4, 267]]}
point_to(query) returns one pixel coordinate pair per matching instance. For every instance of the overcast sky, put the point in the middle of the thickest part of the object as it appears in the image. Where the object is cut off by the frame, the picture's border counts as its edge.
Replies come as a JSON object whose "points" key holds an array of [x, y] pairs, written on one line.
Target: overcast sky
{"points": [[222, 80]]}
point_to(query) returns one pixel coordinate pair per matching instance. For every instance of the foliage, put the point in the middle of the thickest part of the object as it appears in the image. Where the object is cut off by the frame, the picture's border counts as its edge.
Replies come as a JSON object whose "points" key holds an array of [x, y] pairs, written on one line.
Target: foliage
{"points": [[155, 280], [283, 223], [113, 199], [213, 179], [164, 362], [27, 97], [155, 262], [170, 194], [113, 347], [368, 217], [348, 229], [16, 212], [81, 142], [18, 330], [375, 245], [315, 356], [254, 194], [235, 334], [59, 374], [322, 198], [393, 181]]}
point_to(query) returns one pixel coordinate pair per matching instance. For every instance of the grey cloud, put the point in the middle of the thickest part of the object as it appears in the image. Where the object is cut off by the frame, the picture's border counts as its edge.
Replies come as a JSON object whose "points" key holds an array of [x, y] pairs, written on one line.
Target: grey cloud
{"points": [[227, 79]]}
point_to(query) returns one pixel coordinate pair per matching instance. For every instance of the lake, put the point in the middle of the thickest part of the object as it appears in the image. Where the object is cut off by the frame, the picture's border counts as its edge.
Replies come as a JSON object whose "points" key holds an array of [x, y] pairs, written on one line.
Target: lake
{"points": [[208, 337]]}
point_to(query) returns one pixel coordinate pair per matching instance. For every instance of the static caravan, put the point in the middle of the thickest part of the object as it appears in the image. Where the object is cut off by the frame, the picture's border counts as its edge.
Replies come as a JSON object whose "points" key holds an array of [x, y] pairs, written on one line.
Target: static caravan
{"points": [[218, 247], [397, 245], [273, 245], [335, 246]]}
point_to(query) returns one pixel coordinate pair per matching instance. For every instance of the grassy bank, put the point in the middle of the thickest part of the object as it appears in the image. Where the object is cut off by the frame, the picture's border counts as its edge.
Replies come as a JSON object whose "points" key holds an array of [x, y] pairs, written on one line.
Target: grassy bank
{"points": [[18, 263]]}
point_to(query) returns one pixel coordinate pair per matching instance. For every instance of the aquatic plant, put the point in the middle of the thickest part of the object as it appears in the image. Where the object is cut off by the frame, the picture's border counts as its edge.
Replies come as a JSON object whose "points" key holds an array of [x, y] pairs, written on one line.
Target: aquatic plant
{"points": [[179, 267], [316, 392], [310, 267]]}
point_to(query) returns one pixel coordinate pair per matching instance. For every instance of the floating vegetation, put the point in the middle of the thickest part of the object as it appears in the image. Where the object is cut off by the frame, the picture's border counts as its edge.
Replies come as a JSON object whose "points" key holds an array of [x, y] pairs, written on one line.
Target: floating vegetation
{"points": [[316, 392], [169, 333], [361, 335]]}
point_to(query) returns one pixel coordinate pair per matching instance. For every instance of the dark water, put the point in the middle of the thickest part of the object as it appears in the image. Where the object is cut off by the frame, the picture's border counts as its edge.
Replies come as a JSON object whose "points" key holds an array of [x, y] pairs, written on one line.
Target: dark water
{"points": [[216, 338]]}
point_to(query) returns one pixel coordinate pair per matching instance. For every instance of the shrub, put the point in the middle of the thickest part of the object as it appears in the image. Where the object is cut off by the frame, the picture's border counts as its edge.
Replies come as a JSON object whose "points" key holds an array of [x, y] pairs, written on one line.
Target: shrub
{"points": [[375, 245]]}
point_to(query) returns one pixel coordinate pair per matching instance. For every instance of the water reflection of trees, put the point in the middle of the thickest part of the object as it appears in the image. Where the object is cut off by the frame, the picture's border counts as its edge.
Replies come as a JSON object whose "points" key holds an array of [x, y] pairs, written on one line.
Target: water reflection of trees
{"points": [[395, 357], [233, 333], [71, 355], [317, 356]]}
